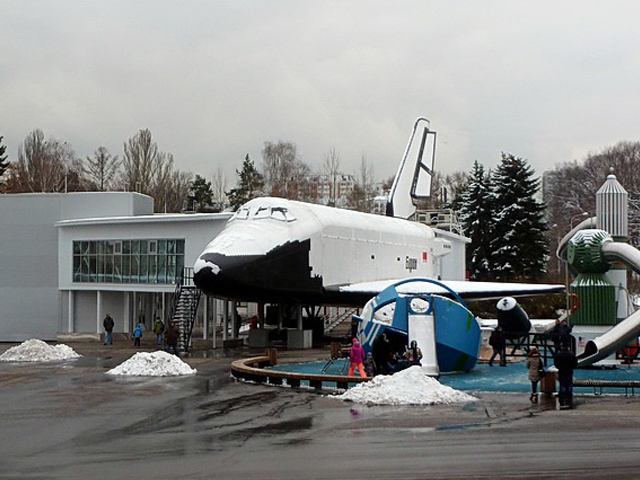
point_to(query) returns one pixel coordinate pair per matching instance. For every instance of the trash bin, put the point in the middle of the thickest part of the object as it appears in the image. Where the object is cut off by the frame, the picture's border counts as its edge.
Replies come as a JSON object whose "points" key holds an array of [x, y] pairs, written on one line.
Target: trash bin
{"points": [[548, 383]]}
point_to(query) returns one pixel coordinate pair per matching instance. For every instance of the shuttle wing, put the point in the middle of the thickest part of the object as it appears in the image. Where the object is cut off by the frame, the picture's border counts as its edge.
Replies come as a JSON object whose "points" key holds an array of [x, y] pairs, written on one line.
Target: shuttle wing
{"points": [[467, 290]]}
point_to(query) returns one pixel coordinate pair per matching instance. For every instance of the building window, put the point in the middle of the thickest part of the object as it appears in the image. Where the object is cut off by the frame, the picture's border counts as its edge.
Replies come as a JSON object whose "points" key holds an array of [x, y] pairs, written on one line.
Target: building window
{"points": [[157, 261]]}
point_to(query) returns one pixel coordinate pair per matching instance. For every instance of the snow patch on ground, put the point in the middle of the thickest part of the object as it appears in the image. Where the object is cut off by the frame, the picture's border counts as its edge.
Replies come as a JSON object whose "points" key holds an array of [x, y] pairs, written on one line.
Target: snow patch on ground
{"points": [[407, 387], [35, 350], [153, 364]]}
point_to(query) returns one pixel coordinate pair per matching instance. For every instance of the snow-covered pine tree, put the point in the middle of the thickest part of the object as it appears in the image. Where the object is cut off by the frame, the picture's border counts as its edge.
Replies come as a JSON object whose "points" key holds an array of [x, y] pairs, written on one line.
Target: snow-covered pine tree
{"points": [[476, 216], [519, 243]]}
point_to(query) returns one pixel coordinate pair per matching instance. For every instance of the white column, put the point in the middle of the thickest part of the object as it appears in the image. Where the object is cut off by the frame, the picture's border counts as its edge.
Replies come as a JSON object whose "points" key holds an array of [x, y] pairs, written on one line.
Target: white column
{"points": [[299, 316], [225, 320], [214, 320], [205, 318], [234, 320], [71, 311], [98, 311], [127, 311], [134, 313]]}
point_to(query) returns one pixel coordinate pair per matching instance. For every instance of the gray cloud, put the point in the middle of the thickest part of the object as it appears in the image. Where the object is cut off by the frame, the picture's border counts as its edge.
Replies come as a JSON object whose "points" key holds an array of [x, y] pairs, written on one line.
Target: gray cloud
{"points": [[214, 80]]}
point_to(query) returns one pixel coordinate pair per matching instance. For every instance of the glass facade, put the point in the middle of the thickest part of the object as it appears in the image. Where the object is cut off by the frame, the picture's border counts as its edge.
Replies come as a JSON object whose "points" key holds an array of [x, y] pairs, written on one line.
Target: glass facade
{"points": [[128, 261]]}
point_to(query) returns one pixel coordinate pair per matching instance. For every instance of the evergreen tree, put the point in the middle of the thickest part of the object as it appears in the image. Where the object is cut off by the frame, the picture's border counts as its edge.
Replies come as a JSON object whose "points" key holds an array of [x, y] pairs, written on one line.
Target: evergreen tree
{"points": [[476, 216], [200, 195], [4, 163], [518, 244], [250, 184]]}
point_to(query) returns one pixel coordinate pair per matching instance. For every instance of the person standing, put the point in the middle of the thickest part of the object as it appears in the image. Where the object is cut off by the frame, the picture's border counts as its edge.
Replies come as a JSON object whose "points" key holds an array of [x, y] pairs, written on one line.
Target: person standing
{"points": [[554, 333], [137, 335], [498, 343], [356, 357], [158, 328], [369, 365], [565, 333], [171, 338], [534, 366], [566, 362], [108, 325], [381, 350], [413, 354]]}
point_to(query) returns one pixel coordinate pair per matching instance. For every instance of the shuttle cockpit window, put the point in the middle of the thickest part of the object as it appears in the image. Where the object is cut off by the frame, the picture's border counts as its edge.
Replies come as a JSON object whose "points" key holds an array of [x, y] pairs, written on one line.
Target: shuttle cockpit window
{"points": [[242, 214], [281, 213], [276, 213], [261, 212]]}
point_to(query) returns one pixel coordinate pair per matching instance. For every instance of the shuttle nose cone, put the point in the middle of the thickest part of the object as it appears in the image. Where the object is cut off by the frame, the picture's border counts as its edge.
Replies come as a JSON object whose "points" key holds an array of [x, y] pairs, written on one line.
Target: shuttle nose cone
{"points": [[281, 274], [217, 274]]}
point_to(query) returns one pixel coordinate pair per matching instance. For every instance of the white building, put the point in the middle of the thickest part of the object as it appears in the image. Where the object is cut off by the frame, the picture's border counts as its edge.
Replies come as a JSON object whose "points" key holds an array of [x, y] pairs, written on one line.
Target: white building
{"points": [[68, 259]]}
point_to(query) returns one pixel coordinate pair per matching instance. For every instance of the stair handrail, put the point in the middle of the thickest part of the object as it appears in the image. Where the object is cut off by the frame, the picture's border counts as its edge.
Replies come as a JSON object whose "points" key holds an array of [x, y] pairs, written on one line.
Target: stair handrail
{"points": [[185, 284], [338, 319]]}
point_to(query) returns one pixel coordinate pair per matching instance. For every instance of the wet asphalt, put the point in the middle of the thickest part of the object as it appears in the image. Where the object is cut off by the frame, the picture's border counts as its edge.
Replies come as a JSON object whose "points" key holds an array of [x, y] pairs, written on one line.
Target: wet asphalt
{"points": [[71, 421]]}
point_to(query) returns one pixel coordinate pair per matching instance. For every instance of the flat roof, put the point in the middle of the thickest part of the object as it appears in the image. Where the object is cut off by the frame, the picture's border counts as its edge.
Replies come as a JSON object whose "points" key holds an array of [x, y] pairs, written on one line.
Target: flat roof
{"points": [[155, 218]]}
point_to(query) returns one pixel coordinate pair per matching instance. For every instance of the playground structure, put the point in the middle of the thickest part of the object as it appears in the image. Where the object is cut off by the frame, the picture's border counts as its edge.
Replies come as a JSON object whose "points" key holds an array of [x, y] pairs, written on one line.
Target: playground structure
{"points": [[599, 256], [445, 330]]}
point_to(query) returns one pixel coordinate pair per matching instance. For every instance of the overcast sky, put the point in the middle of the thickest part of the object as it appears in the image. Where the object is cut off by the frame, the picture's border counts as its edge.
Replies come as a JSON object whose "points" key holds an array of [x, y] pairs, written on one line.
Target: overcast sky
{"points": [[548, 81]]}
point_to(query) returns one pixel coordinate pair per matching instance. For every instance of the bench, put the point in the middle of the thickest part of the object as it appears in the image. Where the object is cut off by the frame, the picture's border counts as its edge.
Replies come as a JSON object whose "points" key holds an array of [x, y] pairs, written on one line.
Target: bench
{"points": [[598, 385]]}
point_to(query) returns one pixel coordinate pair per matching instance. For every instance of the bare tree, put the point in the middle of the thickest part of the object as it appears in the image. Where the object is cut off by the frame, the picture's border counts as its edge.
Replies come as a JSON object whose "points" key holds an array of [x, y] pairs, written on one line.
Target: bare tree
{"points": [[284, 172], [176, 192], [161, 183], [45, 166], [141, 163], [331, 168], [147, 170], [102, 168], [219, 187], [362, 195]]}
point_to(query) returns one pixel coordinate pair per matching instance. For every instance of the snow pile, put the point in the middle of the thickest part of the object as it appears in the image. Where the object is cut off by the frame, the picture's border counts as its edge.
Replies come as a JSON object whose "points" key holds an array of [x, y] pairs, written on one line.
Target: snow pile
{"points": [[35, 350], [407, 387], [153, 364]]}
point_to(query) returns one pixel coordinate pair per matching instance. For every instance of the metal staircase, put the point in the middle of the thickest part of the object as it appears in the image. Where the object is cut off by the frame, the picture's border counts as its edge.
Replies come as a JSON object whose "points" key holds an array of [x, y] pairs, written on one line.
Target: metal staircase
{"points": [[185, 306], [339, 325]]}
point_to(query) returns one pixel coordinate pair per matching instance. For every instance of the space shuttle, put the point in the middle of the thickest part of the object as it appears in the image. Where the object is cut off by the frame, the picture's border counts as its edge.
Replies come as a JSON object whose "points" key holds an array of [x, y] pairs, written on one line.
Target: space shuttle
{"points": [[275, 250]]}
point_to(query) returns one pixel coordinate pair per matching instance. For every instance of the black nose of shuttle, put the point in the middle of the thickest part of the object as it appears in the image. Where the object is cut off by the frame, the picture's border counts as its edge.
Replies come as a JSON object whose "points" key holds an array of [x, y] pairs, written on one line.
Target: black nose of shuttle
{"points": [[223, 275], [283, 273]]}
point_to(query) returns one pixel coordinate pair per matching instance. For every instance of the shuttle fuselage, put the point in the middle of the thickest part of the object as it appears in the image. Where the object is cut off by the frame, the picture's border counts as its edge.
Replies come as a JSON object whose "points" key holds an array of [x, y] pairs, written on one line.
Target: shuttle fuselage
{"points": [[278, 250]]}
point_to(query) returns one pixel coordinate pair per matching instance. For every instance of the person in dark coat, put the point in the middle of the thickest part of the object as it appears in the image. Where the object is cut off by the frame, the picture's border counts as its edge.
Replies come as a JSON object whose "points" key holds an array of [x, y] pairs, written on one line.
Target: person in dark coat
{"points": [[369, 365], [381, 350], [554, 333], [498, 343], [566, 362], [565, 333], [171, 339], [108, 325]]}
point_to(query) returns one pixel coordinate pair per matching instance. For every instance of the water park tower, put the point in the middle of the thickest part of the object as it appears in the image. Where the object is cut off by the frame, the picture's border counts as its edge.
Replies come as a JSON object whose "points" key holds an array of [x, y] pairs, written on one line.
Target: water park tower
{"points": [[599, 289], [611, 216], [599, 256]]}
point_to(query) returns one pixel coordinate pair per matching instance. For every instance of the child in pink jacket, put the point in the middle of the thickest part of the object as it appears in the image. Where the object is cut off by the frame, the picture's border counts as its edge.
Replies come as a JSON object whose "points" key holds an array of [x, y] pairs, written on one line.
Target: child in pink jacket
{"points": [[356, 358]]}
